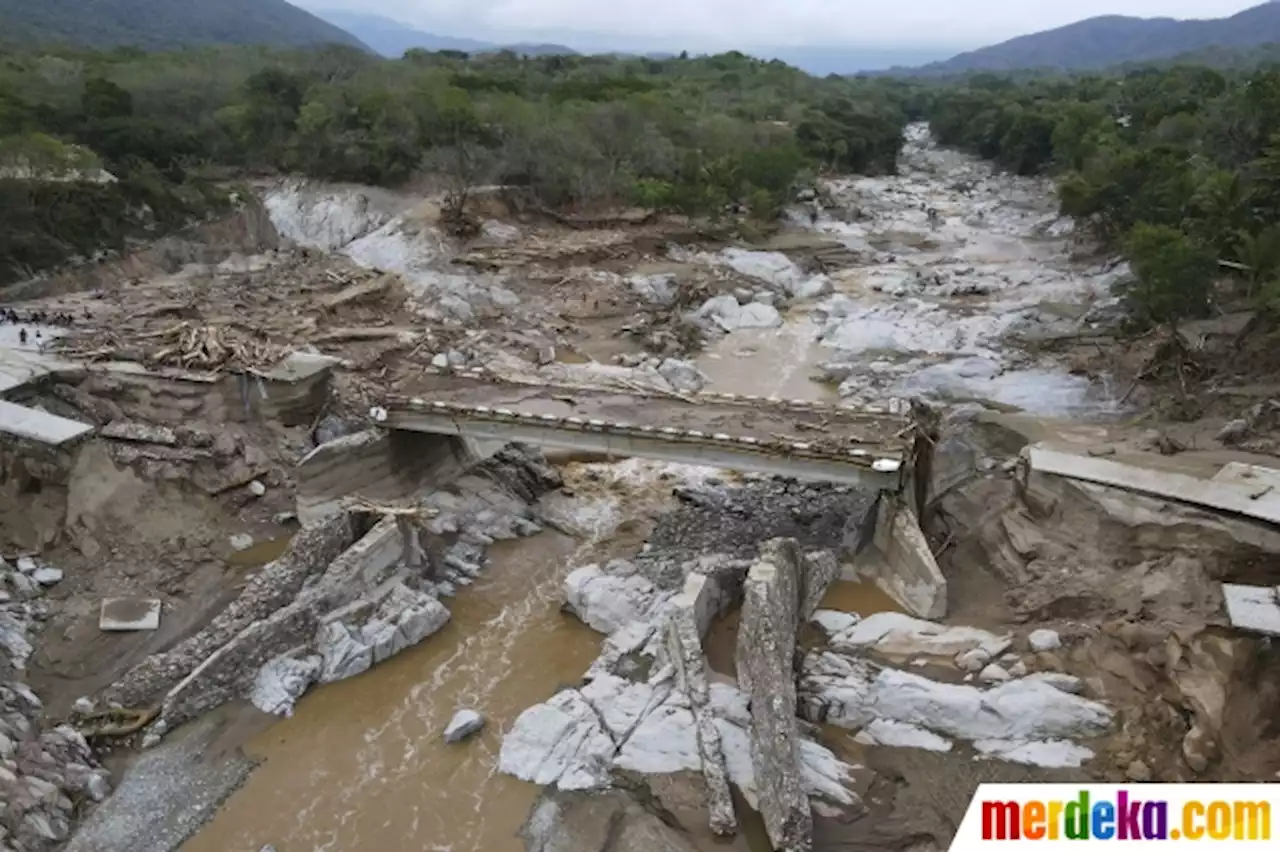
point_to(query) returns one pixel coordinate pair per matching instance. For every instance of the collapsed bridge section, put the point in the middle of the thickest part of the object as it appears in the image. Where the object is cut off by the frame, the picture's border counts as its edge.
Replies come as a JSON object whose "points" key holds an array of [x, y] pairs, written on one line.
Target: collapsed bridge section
{"points": [[868, 447]]}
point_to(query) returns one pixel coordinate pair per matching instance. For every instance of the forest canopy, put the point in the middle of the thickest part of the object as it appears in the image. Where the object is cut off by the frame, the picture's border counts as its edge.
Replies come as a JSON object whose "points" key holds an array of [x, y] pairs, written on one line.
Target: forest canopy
{"points": [[693, 135]]}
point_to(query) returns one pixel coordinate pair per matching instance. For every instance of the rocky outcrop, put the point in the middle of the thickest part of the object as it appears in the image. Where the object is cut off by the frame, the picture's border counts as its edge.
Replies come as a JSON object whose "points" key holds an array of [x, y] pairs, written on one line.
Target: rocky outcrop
{"points": [[1031, 716], [771, 617], [606, 599]]}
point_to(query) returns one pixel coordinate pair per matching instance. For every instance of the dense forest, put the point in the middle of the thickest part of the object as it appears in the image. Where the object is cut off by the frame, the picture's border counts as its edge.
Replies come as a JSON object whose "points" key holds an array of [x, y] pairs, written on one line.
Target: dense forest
{"points": [[694, 135], [1178, 167]]}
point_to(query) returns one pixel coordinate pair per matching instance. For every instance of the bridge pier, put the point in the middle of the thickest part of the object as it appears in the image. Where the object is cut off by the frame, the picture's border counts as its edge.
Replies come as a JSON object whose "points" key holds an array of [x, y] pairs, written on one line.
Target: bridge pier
{"points": [[381, 466]]}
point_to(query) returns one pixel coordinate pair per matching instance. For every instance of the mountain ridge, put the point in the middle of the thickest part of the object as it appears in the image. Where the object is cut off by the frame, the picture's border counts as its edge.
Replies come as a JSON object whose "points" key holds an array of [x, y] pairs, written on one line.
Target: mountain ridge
{"points": [[166, 24], [1109, 40], [391, 38]]}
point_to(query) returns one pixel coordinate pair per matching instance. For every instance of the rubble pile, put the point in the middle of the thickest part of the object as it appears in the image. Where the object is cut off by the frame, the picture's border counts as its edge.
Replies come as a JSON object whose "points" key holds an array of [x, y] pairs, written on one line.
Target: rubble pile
{"points": [[47, 777]]}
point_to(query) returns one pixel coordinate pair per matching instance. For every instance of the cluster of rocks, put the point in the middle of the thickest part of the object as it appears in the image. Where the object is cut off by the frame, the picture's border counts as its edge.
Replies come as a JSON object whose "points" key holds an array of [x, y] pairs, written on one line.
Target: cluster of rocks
{"points": [[46, 776], [1010, 713], [650, 706]]}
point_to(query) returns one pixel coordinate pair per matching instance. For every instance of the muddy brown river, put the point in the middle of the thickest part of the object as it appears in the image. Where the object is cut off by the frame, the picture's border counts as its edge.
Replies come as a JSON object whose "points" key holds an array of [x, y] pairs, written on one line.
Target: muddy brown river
{"points": [[361, 765]]}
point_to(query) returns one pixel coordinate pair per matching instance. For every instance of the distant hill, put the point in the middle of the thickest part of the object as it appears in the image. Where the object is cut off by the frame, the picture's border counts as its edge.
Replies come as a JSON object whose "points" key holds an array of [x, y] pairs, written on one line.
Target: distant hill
{"points": [[392, 38], [164, 24], [1115, 40]]}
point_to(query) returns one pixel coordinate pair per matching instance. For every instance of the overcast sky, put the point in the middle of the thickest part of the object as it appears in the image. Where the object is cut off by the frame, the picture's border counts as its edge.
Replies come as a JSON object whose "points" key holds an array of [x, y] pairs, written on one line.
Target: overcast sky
{"points": [[704, 24]]}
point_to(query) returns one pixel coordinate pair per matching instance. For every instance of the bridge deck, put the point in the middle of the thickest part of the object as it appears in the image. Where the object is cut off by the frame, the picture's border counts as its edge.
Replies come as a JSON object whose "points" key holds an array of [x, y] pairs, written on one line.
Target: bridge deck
{"points": [[810, 439]]}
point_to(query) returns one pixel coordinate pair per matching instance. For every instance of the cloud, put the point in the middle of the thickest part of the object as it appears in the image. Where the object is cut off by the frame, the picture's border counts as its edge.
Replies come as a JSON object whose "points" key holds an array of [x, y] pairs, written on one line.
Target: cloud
{"points": [[702, 24]]}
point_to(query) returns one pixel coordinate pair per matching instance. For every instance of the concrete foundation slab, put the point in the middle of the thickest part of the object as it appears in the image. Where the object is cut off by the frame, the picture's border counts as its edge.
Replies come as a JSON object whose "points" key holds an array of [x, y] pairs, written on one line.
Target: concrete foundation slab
{"points": [[1254, 608], [129, 614], [1255, 501], [1252, 475], [39, 426]]}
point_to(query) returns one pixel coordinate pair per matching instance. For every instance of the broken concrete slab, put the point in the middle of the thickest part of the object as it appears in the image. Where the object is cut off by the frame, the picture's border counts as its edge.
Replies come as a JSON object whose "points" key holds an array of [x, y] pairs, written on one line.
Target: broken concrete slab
{"points": [[39, 426], [1248, 500], [128, 614], [902, 564], [690, 613], [766, 673], [145, 433], [1255, 608]]}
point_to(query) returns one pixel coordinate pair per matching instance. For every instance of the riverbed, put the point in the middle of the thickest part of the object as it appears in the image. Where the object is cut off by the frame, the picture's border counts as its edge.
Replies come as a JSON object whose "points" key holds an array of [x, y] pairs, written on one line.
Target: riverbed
{"points": [[361, 765]]}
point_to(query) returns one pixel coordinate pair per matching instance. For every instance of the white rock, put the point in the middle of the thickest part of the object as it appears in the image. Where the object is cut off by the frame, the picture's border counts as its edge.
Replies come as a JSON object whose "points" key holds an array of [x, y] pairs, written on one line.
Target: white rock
{"points": [[1052, 754], [663, 743], [606, 601], [83, 705], [993, 674], [345, 654], [655, 289], [47, 576], [241, 541], [730, 316], [1018, 669], [622, 704], [834, 622], [440, 360], [463, 724], [257, 489], [822, 773], [1044, 640], [973, 660], [499, 232], [683, 376], [900, 635], [757, 315], [814, 288], [1063, 682], [282, 681], [853, 693], [770, 266], [886, 732], [27, 564], [559, 742]]}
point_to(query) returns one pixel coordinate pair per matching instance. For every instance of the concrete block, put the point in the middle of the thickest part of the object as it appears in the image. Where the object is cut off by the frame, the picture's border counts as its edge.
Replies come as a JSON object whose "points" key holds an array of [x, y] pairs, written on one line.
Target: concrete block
{"points": [[903, 566], [124, 614]]}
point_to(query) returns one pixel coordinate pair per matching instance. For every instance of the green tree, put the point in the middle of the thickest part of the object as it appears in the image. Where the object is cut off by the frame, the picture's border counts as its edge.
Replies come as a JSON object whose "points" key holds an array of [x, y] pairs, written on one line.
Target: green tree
{"points": [[1174, 274]]}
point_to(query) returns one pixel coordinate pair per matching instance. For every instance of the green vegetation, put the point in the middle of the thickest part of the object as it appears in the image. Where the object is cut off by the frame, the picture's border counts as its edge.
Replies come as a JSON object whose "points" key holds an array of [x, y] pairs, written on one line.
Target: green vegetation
{"points": [[702, 136], [1180, 167]]}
